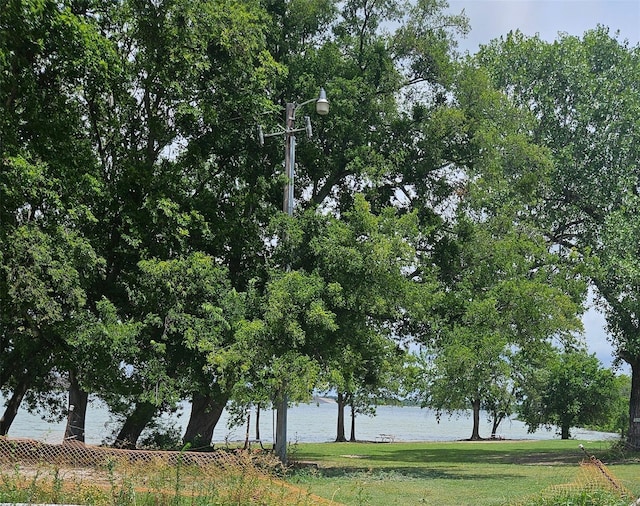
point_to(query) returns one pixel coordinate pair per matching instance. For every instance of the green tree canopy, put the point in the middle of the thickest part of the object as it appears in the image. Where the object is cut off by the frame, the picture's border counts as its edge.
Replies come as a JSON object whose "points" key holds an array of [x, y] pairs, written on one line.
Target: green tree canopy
{"points": [[572, 390]]}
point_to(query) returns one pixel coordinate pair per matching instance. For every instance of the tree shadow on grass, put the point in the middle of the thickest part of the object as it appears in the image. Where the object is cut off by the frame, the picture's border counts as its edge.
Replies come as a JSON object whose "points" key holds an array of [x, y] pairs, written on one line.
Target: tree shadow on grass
{"points": [[404, 473], [470, 455]]}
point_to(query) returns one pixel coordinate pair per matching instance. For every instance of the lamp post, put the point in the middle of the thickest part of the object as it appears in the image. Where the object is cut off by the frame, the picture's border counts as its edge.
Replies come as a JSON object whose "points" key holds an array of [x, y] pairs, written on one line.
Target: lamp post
{"points": [[289, 132]]}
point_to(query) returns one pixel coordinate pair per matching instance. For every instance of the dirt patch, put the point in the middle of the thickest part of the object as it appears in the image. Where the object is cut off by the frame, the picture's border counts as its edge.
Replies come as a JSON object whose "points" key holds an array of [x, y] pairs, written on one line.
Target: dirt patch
{"points": [[28, 472]]}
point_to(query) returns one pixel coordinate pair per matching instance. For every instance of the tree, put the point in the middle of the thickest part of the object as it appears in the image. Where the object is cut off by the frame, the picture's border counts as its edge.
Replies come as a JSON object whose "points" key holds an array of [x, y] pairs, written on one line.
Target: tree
{"points": [[503, 293], [366, 256], [501, 301], [617, 420], [617, 275], [363, 377], [186, 346], [582, 93], [114, 105], [47, 182], [572, 390], [366, 146], [296, 321]]}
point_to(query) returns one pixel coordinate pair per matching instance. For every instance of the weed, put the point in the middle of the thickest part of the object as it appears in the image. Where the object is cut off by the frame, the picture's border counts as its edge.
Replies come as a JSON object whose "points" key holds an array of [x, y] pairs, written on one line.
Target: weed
{"points": [[362, 496], [33, 487], [584, 498]]}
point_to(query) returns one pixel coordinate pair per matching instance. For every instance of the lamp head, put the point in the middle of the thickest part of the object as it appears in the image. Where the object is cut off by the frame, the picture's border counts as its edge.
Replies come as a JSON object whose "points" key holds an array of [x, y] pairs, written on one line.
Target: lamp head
{"points": [[322, 104]]}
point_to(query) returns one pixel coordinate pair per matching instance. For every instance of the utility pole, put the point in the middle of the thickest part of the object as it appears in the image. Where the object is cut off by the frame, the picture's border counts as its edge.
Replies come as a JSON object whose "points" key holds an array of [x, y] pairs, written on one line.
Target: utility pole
{"points": [[289, 132]]}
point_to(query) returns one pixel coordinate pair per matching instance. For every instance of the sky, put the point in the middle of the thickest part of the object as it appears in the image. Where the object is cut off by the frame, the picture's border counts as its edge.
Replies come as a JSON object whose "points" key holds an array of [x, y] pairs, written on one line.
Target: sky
{"points": [[492, 19]]}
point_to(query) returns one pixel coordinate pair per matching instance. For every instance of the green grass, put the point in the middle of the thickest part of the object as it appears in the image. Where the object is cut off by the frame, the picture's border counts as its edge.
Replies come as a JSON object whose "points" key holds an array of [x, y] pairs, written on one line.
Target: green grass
{"points": [[460, 473], [489, 473]]}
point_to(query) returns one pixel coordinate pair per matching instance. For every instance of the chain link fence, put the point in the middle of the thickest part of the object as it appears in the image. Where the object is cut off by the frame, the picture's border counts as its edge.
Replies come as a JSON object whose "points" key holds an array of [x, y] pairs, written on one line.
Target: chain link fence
{"points": [[592, 478], [76, 454]]}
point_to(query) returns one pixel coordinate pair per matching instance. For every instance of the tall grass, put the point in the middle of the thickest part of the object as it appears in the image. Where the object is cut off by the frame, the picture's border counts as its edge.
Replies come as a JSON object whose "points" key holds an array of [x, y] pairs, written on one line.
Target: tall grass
{"points": [[583, 498], [119, 483]]}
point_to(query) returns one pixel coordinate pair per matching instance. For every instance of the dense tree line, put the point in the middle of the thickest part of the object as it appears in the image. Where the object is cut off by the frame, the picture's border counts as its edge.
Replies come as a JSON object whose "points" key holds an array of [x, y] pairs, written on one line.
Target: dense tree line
{"points": [[146, 259]]}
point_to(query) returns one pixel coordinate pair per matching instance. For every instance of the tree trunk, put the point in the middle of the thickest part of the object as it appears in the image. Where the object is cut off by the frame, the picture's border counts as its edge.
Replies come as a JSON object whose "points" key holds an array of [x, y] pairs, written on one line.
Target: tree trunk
{"points": [[564, 432], [13, 404], [205, 413], [633, 436], [135, 423], [353, 424], [340, 437], [475, 435], [281, 402], [497, 420], [78, 400], [246, 436], [258, 422]]}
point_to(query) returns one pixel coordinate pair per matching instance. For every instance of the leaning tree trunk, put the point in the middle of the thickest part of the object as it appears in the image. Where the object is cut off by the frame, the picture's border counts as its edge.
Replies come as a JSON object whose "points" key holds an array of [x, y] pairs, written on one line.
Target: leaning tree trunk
{"points": [[205, 413], [340, 437], [13, 404], [78, 400], [475, 435], [497, 420], [352, 439], [633, 436], [135, 423]]}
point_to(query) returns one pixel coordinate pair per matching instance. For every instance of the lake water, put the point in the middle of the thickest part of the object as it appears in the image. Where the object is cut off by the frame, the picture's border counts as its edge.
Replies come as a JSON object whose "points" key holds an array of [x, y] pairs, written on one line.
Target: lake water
{"points": [[306, 423]]}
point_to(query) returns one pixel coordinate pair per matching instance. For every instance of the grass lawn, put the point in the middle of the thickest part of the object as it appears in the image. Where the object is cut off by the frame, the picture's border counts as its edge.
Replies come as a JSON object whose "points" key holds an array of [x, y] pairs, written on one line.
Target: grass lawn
{"points": [[497, 473], [455, 473]]}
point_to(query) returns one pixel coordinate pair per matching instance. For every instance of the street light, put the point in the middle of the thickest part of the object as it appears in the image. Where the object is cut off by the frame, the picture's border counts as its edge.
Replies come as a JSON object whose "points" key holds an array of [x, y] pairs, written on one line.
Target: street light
{"points": [[322, 108]]}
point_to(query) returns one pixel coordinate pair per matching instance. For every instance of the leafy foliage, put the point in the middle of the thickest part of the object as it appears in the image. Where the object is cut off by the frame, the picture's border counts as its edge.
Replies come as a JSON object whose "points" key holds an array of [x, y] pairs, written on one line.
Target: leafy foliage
{"points": [[581, 95], [572, 390], [147, 259]]}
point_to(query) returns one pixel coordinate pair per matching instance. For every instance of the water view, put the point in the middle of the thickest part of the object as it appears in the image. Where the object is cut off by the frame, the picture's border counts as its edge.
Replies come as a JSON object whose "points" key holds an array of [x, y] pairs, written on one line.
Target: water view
{"points": [[306, 423]]}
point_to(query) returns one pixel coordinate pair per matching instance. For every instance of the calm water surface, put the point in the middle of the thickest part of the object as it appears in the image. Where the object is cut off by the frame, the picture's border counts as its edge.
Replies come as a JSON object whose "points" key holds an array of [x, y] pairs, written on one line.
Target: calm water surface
{"points": [[306, 423]]}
